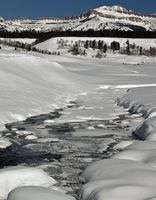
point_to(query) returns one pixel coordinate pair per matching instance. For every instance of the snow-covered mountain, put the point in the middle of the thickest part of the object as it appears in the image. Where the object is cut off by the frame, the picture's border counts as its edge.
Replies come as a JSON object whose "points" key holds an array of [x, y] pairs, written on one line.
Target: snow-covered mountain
{"points": [[105, 17]]}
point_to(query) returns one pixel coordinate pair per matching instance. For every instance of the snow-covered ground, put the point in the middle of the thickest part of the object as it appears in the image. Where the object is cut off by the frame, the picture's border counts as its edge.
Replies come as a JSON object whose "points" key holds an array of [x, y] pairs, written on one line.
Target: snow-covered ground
{"points": [[48, 82], [33, 83], [22, 40], [54, 43]]}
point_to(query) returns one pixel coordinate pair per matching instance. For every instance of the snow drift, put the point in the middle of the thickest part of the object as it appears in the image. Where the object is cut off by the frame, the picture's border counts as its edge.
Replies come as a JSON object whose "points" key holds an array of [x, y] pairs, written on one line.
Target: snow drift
{"points": [[13, 177], [119, 180], [31, 85], [142, 101], [38, 193]]}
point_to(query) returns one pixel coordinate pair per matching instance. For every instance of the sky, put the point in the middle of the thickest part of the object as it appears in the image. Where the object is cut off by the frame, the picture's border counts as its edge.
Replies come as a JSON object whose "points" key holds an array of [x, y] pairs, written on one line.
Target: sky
{"points": [[58, 8]]}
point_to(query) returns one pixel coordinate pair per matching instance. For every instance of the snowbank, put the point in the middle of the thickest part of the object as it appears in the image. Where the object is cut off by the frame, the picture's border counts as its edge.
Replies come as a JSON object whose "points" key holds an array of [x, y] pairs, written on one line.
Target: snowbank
{"points": [[131, 173], [140, 151], [142, 101], [4, 143], [31, 85], [117, 179], [13, 177], [38, 193]]}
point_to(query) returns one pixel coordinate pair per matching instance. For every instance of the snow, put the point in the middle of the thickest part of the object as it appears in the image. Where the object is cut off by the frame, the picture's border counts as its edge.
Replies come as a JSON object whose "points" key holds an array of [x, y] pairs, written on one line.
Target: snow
{"points": [[31, 137], [22, 40], [46, 140], [123, 145], [4, 143], [44, 86], [119, 179], [52, 44], [131, 173], [21, 133], [142, 100], [140, 151], [49, 82], [13, 177], [39, 193]]}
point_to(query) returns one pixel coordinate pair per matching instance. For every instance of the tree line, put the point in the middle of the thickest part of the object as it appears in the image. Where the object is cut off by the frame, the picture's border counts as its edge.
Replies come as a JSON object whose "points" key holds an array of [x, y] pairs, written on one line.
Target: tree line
{"points": [[27, 47], [80, 47], [89, 33]]}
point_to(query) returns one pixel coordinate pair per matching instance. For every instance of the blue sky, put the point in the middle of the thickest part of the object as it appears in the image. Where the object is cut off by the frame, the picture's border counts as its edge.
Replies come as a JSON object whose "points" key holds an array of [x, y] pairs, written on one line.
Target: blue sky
{"points": [[37, 8]]}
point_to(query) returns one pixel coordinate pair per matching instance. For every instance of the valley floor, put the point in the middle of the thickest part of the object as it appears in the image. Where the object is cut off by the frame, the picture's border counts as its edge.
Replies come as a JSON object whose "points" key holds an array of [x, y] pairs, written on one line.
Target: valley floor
{"points": [[84, 126]]}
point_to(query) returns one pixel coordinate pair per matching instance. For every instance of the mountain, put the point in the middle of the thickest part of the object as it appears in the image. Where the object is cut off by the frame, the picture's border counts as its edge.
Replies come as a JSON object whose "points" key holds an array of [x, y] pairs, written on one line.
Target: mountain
{"points": [[102, 18]]}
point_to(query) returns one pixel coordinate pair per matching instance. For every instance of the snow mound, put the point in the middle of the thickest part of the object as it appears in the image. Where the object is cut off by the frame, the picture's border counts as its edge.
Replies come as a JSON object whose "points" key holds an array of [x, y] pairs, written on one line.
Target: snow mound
{"points": [[4, 143], [13, 177], [119, 180], [38, 193], [44, 86], [142, 101], [140, 151]]}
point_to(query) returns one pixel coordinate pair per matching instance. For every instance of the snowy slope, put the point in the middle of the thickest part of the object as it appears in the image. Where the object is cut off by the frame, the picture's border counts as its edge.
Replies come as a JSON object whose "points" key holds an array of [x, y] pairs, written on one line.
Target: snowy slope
{"points": [[45, 84], [35, 83], [53, 43], [31, 85], [105, 17], [22, 40]]}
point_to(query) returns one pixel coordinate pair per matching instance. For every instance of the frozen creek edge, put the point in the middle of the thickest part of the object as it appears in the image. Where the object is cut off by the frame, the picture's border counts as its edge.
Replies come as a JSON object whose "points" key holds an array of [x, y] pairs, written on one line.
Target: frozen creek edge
{"points": [[125, 172], [131, 173]]}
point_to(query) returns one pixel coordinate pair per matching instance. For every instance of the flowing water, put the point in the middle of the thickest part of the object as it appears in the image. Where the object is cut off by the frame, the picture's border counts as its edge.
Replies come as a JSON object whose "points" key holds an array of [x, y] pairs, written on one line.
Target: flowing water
{"points": [[63, 148]]}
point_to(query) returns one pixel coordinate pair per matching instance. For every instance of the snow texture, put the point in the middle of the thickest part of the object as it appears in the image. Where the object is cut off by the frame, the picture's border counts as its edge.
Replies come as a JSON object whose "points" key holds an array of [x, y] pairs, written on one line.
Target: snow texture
{"points": [[39, 193], [142, 101], [4, 143], [31, 85], [13, 177], [117, 179]]}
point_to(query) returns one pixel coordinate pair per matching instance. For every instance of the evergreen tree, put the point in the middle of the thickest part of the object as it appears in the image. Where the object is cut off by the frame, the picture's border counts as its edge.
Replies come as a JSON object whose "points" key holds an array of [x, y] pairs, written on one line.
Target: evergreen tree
{"points": [[115, 46], [86, 45], [127, 47], [93, 45], [140, 50], [105, 48]]}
